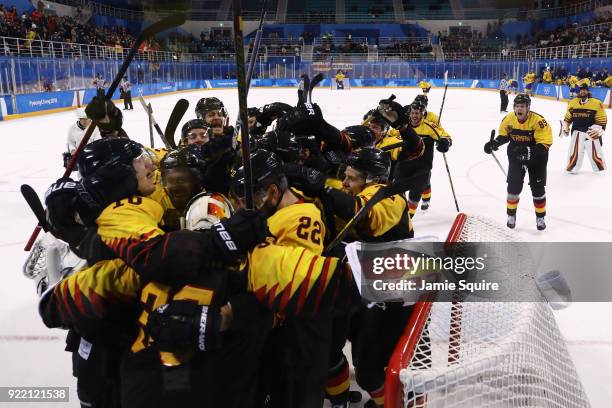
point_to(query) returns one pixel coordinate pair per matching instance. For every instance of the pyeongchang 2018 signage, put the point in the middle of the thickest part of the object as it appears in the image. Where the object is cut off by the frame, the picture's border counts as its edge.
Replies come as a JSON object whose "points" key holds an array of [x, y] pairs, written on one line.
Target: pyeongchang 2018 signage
{"points": [[44, 101]]}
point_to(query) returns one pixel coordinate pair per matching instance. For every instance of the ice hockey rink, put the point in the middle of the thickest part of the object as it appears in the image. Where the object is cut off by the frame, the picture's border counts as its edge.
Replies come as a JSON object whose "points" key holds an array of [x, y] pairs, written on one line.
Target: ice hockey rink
{"points": [[578, 209]]}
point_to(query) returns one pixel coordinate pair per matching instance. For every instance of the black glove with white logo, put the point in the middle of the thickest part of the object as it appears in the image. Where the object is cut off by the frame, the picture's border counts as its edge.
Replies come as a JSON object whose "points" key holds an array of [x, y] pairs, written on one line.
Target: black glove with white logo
{"points": [[240, 233], [310, 181], [393, 112], [61, 203], [182, 326]]}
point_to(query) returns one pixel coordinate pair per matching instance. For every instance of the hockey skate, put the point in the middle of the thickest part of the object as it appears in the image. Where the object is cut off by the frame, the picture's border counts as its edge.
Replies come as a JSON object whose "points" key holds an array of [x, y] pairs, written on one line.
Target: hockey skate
{"points": [[540, 224], [511, 221], [424, 205]]}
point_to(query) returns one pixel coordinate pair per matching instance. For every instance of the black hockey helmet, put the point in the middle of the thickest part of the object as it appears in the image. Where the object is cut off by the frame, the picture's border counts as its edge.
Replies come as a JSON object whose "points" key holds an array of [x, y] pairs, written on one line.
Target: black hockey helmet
{"points": [[266, 169], [359, 135], [285, 144], [252, 112], [372, 162], [416, 105], [372, 116], [205, 105], [189, 157], [423, 99], [105, 151], [522, 98], [192, 124]]}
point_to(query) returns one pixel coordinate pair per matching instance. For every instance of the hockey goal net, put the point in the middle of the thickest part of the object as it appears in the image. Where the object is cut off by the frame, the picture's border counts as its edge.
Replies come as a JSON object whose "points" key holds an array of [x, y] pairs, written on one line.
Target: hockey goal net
{"points": [[474, 354]]}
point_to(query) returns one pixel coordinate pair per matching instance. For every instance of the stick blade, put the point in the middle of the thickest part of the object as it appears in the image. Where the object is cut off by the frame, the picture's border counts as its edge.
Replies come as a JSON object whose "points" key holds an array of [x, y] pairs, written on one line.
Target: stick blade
{"points": [[175, 118], [35, 205]]}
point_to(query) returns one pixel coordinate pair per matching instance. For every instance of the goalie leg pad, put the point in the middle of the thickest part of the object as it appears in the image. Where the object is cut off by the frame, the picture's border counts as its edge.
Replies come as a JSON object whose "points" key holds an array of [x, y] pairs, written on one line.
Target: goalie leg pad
{"points": [[594, 150], [576, 151]]}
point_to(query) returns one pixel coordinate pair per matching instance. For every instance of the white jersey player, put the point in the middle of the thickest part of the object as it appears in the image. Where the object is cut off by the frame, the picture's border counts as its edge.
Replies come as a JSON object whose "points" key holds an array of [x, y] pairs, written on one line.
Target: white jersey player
{"points": [[76, 133], [587, 116]]}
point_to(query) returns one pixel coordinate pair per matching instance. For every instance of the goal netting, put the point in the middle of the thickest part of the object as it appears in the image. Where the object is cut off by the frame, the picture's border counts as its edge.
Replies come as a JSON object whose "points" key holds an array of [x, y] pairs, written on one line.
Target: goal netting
{"points": [[477, 354]]}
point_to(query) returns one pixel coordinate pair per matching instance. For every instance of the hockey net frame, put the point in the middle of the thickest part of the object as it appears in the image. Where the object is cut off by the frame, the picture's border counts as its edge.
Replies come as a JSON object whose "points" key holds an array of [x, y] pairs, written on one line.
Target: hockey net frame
{"points": [[524, 362]]}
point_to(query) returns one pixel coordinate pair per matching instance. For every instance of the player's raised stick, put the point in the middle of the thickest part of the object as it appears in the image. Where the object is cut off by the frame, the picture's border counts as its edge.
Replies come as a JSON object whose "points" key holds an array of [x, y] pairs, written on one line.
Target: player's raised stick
{"points": [[495, 158], [450, 179]]}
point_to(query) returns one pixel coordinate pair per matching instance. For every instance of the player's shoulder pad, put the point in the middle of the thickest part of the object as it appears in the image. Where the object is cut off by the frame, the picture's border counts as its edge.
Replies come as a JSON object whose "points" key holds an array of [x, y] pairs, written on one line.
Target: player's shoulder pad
{"points": [[538, 115]]}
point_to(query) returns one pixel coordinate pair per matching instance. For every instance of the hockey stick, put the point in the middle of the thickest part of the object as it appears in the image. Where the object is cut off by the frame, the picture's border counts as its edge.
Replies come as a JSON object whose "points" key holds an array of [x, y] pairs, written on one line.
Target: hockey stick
{"points": [[303, 93], [173, 20], [450, 179], [175, 118], [154, 123], [150, 116], [242, 102], [399, 186], [256, 45], [315, 81], [494, 157], [35, 205]]}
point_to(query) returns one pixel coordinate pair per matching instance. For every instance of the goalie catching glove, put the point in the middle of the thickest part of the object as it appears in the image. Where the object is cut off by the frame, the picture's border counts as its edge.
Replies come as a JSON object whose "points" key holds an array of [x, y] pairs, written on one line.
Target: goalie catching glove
{"points": [[182, 326], [595, 132]]}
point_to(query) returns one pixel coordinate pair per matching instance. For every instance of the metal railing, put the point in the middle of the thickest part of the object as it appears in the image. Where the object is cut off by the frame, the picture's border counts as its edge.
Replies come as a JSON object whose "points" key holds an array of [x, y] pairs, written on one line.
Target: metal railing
{"points": [[51, 49], [589, 50], [591, 28]]}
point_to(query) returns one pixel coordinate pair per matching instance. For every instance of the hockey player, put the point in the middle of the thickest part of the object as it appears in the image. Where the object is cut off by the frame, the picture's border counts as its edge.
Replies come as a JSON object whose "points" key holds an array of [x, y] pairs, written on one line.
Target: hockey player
{"points": [[547, 76], [289, 276], [513, 86], [588, 119], [431, 134], [573, 85], [425, 86], [195, 131], [340, 79], [529, 136], [529, 81], [155, 374], [212, 111], [76, 132]]}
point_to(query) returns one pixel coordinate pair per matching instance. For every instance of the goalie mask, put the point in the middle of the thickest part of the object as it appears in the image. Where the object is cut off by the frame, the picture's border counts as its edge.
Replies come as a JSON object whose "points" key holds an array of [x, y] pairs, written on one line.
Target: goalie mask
{"points": [[205, 209]]}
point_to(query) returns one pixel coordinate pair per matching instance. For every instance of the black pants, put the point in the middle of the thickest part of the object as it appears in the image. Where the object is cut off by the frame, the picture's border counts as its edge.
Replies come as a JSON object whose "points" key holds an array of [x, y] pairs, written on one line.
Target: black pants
{"points": [[537, 177], [127, 100], [504, 100]]}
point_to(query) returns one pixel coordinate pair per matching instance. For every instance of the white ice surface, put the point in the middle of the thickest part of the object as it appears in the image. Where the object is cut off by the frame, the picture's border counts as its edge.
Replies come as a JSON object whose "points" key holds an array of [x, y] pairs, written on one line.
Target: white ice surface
{"points": [[579, 209]]}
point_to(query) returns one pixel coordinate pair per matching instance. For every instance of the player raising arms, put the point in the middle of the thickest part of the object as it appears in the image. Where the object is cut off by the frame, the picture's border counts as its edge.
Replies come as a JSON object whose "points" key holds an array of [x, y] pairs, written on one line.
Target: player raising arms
{"points": [[530, 137], [588, 119]]}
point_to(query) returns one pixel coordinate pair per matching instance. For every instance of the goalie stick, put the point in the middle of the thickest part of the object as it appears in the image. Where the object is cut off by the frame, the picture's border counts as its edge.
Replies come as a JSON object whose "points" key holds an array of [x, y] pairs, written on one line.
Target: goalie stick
{"points": [[173, 20]]}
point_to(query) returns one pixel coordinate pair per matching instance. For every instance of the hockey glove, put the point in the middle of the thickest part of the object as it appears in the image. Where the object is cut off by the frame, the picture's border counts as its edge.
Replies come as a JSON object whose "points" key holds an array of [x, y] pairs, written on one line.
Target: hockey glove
{"points": [[595, 132], [182, 326], [304, 119], [104, 113], [66, 156], [60, 200], [393, 113], [522, 153], [239, 234], [491, 146], [216, 145], [565, 129], [443, 144], [268, 113], [311, 182]]}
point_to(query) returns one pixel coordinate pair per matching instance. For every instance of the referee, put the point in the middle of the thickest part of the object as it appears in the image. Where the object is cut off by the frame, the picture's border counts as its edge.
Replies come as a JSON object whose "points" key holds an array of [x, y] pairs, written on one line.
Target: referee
{"points": [[503, 93]]}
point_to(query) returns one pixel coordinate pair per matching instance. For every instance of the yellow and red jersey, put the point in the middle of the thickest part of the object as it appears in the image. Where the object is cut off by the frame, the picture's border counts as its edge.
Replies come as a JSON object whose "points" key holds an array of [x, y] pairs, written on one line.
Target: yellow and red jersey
{"points": [[388, 220], [535, 130], [583, 115]]}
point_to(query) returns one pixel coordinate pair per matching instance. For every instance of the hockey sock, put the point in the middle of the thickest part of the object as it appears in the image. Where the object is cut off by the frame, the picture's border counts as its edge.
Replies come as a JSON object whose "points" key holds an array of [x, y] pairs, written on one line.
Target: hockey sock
{"points": [[426, 195], [540, 206], [378, 396], [338, 383], [412, 207], [512, 203]]}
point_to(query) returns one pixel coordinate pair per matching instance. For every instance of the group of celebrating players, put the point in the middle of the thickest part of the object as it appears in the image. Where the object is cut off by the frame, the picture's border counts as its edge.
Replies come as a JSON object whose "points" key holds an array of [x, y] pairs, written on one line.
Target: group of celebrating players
{"points": [[184, 297]]}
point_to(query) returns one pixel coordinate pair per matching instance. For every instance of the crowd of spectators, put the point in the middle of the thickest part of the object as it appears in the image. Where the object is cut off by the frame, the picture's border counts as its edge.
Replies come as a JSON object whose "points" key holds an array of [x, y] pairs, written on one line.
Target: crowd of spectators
{"points": [[38, 26]]}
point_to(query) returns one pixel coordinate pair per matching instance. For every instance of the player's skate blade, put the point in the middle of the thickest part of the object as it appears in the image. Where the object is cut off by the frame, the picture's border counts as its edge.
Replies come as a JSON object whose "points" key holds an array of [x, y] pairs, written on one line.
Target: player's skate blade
{"points": [[511, 221]]}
